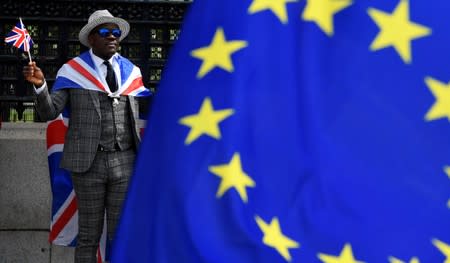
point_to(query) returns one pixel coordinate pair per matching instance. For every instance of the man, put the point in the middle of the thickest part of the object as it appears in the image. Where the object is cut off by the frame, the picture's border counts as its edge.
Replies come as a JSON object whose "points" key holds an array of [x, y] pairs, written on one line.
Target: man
{"points": [[98, 90]]}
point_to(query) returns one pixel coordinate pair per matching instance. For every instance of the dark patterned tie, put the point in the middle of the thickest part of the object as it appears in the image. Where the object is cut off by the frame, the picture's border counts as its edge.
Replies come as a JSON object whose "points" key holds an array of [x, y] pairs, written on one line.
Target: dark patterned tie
{"points": [[110, 77]]}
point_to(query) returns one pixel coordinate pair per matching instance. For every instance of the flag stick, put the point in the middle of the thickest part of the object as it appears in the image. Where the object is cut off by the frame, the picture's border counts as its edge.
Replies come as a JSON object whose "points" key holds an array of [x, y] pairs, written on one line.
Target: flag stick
{"points": [[29, 56], [26, 43]]}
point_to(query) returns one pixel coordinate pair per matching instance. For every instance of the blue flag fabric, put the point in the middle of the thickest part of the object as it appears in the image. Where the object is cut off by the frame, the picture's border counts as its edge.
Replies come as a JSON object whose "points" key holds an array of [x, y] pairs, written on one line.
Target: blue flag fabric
{"points": [[297, 131]]}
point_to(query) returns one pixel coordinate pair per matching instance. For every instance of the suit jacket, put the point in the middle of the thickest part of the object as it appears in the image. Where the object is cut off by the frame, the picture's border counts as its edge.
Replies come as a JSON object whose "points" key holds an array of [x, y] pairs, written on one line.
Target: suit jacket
{"points": [[83, 133]]}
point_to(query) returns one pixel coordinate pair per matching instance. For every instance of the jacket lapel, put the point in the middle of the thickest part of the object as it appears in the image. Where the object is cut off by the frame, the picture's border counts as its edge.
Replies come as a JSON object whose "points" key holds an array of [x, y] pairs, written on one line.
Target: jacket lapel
{"points": [[95, 101]]}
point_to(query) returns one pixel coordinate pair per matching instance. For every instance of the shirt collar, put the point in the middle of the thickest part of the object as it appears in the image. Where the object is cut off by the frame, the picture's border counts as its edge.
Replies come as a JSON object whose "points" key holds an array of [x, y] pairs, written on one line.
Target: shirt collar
{"points": [[99, 61]]}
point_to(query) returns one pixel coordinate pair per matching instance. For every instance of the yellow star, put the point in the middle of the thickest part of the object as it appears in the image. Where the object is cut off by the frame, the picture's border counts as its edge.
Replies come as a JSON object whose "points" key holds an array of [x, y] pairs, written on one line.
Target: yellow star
{"points": [[217, 54], [278, 7], [322, 12], [232, 176], [397, 30], [273, 237], [444, 248], [346, 256], [396, 260], [206, 121], [447, 171], [441, 92]]}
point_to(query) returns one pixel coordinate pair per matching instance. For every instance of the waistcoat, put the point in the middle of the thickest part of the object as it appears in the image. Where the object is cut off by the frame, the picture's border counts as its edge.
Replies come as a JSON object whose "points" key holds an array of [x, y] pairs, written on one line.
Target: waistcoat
{"points": [[115, 124]]}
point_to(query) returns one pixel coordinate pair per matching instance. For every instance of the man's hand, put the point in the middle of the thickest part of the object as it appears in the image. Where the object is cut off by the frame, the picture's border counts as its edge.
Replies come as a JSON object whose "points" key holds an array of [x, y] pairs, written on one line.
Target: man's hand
{"points": [[33, 74]]}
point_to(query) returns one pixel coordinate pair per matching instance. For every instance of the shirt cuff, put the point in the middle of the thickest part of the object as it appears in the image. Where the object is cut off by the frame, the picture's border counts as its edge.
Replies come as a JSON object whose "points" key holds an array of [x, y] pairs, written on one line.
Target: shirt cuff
{"points": [[40, 89]]}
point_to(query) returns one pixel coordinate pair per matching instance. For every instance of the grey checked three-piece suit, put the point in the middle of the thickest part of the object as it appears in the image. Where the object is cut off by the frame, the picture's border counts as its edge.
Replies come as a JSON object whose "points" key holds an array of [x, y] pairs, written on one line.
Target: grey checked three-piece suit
{"points": [[100, 178], [83, 135]]}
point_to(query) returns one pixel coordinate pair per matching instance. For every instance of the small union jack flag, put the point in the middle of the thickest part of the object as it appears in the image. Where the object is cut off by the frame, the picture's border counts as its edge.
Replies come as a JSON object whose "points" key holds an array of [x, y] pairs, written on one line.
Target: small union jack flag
{"points": [[19, 37]]}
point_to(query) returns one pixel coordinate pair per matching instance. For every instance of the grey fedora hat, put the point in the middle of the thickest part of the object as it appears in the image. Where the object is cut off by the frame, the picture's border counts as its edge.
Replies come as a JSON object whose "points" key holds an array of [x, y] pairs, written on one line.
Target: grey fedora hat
{"points": [[102, 17]]}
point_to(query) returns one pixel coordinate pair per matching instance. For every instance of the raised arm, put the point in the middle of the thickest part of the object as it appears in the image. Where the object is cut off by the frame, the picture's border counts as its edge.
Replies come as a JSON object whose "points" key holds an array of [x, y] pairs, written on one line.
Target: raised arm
{"points": [[48, 106]]}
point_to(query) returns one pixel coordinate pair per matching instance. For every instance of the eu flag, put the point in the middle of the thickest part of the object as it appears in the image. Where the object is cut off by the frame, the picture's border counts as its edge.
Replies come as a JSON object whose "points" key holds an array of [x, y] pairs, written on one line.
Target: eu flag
{"points": [[298, 131]]}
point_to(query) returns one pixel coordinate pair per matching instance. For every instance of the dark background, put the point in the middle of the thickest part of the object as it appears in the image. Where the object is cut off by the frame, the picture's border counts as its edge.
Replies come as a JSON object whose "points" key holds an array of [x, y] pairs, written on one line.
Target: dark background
{"points": [[54, 26]]}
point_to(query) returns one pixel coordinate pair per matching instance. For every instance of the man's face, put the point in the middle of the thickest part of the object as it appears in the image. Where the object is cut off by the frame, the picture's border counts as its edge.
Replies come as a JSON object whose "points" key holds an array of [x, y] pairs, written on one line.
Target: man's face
{"points": [[104, 40]]}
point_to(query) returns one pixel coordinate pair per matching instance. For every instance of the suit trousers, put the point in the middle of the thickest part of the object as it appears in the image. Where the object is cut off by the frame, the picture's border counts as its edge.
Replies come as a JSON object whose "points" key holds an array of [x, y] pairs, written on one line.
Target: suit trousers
{"points": [[100, 190]]}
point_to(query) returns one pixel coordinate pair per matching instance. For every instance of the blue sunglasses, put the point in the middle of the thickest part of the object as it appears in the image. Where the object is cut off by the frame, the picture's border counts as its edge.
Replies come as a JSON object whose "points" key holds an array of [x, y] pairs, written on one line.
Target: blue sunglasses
{"points": [[104, 32]]}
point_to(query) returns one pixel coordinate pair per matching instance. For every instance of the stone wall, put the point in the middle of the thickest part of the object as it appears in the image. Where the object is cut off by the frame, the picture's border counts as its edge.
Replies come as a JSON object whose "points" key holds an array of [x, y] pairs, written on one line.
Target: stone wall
{"points": [[25, 197]]}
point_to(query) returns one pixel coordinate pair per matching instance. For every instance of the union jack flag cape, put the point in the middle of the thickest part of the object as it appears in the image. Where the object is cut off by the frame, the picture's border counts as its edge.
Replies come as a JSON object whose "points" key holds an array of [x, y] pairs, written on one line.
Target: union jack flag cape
{"points": [[19, 37], [79, 73]]}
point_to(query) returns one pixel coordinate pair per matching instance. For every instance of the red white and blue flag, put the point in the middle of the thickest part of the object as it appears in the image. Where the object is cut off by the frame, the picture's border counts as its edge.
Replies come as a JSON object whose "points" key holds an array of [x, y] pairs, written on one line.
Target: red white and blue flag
{"points": [[79, 73], [64, 223], [19, 37]]}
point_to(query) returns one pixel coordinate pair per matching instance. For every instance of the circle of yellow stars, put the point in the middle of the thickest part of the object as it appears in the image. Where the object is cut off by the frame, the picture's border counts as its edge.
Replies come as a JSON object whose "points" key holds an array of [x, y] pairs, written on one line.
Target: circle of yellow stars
{"points": [[396, 31]]}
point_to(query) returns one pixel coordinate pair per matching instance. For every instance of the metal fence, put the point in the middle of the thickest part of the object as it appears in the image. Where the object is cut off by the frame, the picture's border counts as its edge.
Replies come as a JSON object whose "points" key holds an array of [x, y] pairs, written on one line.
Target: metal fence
{"points": [[54, 26]]}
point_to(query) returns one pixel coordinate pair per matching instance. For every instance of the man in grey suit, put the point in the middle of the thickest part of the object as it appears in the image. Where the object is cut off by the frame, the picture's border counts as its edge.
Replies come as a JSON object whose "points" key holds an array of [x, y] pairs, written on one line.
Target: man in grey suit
{"points": [[99, 89]]}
